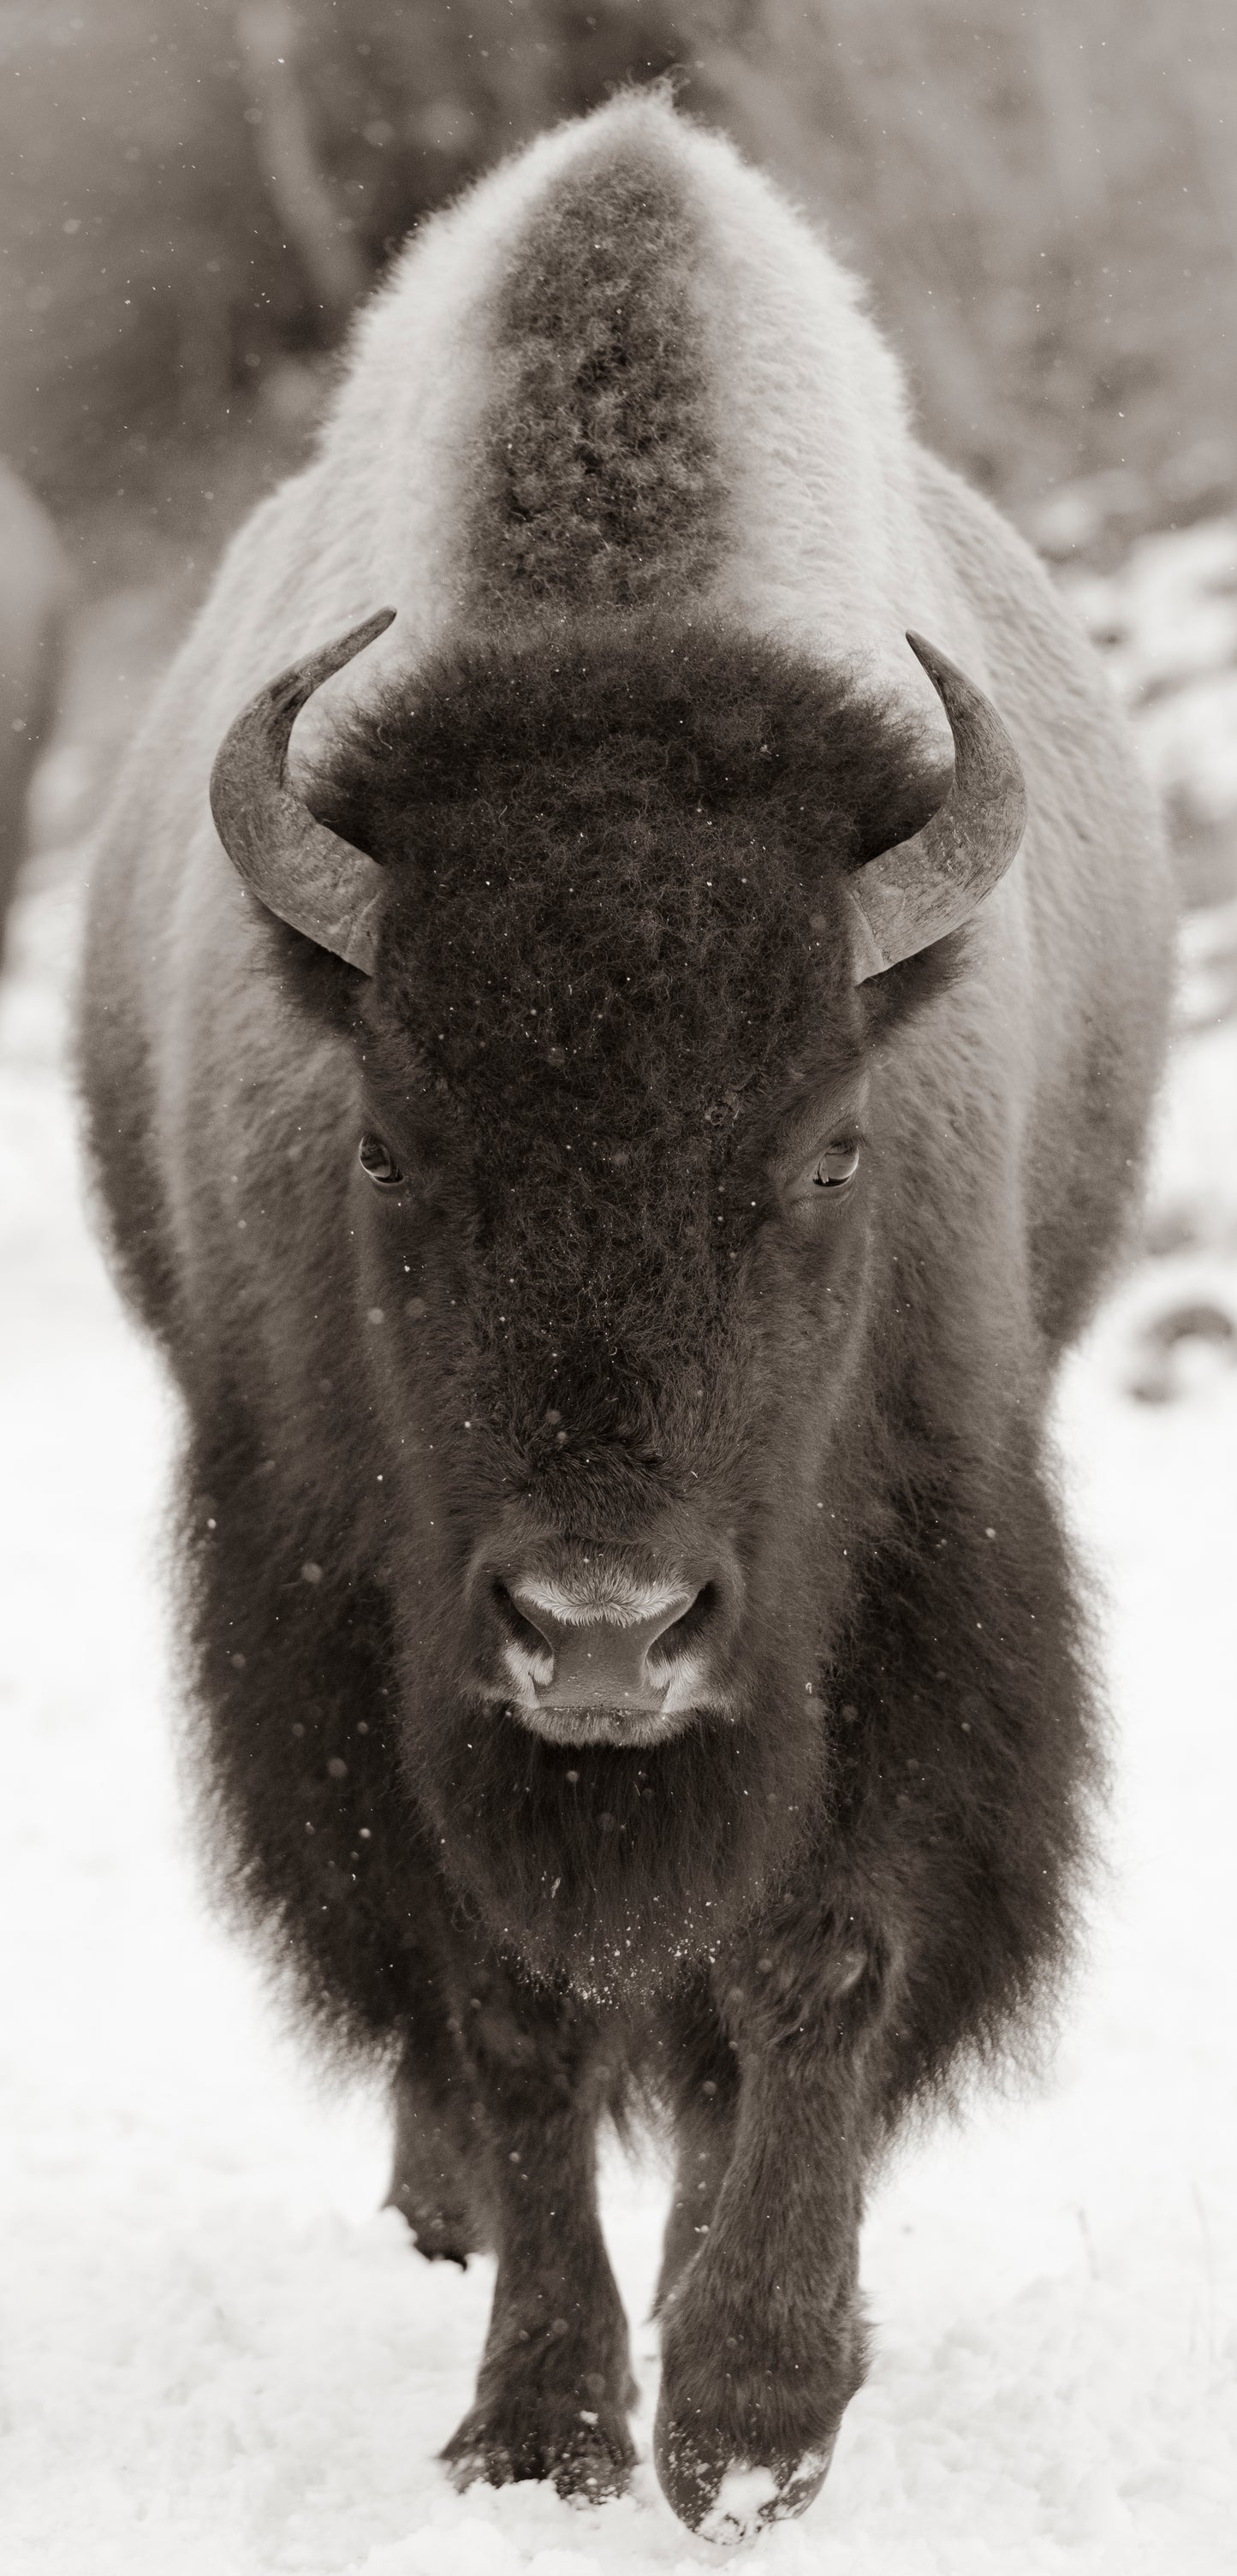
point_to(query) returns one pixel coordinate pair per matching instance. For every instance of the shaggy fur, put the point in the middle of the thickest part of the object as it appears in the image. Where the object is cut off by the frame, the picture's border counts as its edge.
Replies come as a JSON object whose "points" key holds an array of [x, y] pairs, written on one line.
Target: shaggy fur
{"points": [[648, 506], [599, 482], [612, 959]]}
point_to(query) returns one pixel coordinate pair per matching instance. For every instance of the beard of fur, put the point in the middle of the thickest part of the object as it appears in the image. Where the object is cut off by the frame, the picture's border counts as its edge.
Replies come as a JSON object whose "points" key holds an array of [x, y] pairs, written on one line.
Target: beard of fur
{"points": [[610, 1869]]}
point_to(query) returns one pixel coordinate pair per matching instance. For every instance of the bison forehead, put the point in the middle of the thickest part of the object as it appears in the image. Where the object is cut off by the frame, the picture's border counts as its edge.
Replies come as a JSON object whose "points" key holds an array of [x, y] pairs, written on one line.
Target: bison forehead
{"points": [[631, 972], [599, 1018], [614, 926], [611, 852], [602, 1026]]}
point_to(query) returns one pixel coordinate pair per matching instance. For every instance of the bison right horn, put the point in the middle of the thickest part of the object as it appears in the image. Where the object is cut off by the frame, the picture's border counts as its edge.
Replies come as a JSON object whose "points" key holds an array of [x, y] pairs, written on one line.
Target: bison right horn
{"points": [[919, 890], [315, 882]]}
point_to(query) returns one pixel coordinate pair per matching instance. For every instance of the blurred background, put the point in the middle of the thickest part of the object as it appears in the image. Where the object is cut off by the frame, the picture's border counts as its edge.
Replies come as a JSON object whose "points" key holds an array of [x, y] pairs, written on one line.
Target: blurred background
{"points": [[195, 193]]}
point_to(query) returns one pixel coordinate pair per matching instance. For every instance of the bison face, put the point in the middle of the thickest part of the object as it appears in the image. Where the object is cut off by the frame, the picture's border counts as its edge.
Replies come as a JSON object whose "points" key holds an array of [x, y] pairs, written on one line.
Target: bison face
{"points": [[617, 1200]]}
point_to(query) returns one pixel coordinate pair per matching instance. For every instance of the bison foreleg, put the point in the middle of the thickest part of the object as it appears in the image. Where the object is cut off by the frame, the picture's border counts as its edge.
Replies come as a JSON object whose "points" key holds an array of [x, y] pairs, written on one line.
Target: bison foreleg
{"points": [[555, 2383], [763, 2340], [438, 2182], [699, 2079]]}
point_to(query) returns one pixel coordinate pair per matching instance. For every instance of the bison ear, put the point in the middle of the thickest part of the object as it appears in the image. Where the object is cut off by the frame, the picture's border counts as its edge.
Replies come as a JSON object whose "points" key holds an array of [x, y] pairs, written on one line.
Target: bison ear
{"points": [[314, 881], [916, 891]]}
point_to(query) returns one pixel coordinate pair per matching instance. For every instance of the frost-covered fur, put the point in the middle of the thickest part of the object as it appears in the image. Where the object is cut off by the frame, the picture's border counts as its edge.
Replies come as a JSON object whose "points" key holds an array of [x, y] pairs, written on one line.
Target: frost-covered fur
{"points": [[621, 446]]}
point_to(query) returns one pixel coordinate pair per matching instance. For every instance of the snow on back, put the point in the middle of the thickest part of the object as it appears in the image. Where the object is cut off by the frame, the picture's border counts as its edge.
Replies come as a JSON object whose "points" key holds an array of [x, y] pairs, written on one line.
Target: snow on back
{"points": [[822, 536]]}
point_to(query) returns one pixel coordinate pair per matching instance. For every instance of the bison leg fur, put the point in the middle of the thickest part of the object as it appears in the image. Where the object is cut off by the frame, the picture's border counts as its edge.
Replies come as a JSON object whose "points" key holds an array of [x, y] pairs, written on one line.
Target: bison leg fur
{"points": [[438, 2182], [700, 2084], [555, 2383], [763, 2336]]}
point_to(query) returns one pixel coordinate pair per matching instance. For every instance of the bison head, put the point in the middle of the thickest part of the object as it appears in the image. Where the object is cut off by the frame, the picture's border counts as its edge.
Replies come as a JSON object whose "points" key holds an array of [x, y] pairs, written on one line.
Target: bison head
{"points": [[638, 904]]}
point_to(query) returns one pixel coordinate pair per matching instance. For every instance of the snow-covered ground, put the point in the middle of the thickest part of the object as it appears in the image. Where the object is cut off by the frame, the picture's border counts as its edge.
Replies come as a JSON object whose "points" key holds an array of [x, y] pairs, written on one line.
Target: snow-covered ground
{"points": [[218, 2357], [1168, 621], [1166, 618]]}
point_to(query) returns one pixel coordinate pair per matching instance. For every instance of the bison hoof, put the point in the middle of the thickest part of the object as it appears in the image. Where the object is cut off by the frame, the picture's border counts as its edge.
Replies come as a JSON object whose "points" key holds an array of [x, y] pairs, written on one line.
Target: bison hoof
{"points": [[585, 2459], [728, 2500]]}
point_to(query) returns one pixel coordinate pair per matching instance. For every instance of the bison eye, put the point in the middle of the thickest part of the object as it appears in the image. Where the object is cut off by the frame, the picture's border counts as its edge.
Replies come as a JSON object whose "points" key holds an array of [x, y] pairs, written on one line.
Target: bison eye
{"points": [[837, 1166], [379, 1164]]}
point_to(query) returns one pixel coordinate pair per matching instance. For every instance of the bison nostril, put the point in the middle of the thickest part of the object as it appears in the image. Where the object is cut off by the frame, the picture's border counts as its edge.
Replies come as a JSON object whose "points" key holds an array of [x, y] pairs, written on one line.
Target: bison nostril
{"points": [[521, 1634], [681, 1635]]}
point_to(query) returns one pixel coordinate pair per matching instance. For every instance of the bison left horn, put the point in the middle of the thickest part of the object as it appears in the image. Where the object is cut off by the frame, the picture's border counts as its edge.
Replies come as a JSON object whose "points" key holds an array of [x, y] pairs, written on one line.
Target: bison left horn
{"points": [[314, 881], [921, 889]]}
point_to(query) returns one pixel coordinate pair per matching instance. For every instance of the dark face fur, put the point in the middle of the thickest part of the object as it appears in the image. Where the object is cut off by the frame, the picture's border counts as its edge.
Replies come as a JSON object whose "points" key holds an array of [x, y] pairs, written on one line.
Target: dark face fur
{"points": [[614, 1050]]}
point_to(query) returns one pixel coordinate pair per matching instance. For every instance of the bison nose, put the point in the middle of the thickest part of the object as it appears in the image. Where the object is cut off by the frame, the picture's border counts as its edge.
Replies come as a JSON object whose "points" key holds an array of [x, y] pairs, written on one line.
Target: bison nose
{"points": [[577, 1659], [640, 1652]]}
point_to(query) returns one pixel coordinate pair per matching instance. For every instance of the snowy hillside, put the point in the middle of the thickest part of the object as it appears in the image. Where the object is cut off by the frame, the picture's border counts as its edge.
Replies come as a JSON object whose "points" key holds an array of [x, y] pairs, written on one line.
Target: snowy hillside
{"points": [[217, 2358]]}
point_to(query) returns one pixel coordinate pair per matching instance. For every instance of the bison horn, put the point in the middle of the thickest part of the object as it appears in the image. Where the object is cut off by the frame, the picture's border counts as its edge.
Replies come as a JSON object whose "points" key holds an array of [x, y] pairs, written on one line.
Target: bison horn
{"points": [[314, 881], [918, 891]]}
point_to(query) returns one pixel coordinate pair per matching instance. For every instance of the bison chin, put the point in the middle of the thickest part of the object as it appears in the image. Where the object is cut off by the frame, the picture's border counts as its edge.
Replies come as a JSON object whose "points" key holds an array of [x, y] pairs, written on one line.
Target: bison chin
{"points": [[612, 1867]]}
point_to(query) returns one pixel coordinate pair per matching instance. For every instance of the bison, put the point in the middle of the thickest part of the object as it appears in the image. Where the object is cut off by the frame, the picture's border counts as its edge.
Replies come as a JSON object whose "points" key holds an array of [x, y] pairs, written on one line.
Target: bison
{"points": [[613, 1126], [33, 597]]}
